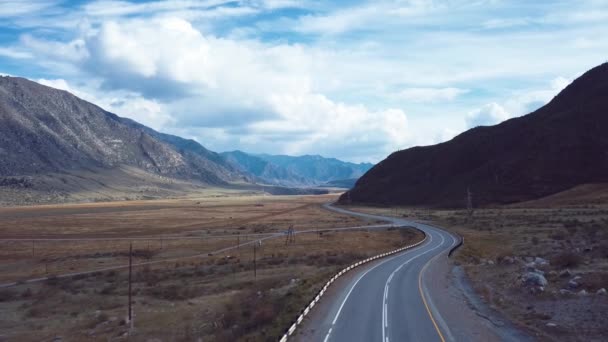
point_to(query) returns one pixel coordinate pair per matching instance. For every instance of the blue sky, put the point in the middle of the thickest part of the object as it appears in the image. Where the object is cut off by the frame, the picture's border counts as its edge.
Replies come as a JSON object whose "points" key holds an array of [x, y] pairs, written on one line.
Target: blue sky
{"points": [[355, 80]]}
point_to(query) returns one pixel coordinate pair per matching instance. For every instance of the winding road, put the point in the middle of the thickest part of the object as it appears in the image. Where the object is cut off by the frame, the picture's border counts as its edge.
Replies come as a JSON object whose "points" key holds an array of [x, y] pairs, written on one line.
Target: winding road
{"points": [[390, 301]]}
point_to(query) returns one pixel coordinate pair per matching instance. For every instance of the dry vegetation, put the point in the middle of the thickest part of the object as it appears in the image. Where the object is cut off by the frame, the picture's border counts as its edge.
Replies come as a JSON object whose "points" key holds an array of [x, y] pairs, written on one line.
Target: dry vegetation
{"points": [[214, 297], [500, 245]]}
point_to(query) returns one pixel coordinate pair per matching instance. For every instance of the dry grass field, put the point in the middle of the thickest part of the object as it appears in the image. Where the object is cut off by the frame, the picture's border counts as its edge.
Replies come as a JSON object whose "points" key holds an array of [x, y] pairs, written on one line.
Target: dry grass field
{"points": [[502, 244], [186, 292]]}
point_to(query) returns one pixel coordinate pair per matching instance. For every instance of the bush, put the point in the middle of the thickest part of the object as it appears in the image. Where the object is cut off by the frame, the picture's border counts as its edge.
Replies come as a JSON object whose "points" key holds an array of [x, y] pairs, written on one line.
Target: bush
{"points": [[566, 260], [108, 290], [7, 295]]}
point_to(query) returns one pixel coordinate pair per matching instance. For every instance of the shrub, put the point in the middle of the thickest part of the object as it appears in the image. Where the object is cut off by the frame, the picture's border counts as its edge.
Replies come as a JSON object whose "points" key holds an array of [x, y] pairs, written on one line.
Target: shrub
{"points": [[27, 293], [108, 290], [6, 295], [566, 259], [263, 314]]}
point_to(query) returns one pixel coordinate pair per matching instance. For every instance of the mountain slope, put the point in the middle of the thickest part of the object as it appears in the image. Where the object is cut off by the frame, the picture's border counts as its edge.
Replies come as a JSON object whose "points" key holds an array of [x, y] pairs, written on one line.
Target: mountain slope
{"points": [[263, 170], [316, 168], [557, 147], [45, 130]]}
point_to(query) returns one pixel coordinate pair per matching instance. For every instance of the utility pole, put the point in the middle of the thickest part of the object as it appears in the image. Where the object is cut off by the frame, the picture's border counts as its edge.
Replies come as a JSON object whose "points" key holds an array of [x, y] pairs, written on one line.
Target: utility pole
{"points": [[130, 279], [255, 273], [469, 202], [291, 235]]}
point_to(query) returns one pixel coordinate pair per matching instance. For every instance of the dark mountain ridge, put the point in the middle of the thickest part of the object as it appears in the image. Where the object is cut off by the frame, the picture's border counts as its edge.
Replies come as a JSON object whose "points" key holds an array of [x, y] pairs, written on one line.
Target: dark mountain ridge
{"points": [[559, 146]]}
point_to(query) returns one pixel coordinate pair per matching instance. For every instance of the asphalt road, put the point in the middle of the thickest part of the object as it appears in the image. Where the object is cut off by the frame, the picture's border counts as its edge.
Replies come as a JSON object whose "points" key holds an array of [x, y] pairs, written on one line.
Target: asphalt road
{"points": [[390, 301]]}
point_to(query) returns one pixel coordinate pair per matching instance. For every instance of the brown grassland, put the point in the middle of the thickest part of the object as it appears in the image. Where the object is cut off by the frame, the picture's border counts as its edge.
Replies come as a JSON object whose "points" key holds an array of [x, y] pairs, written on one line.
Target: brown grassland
{"points": [[188, 292]]}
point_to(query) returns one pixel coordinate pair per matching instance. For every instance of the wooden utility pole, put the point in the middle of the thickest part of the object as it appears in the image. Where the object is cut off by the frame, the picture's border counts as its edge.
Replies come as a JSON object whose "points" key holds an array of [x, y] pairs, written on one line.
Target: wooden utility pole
{"points": [[291, 235], [255, 274], [469, 202], [130, 279]]}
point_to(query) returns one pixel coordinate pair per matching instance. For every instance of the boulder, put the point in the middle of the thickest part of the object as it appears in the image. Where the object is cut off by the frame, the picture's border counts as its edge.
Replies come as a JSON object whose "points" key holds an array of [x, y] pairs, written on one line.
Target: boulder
{"points": [[565, 292], [551, 325], [541, 262], [573, 284], [507, 260], [565, 273], [601, 291], [534, 279], [582, 293]]}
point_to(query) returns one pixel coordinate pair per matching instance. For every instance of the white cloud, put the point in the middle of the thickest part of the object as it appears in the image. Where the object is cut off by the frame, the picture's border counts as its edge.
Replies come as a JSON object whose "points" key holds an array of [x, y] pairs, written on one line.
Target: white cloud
{"points": [[248, 92], [431, 94], [14, 8], [127, 104], [14, 53], [526, 101], [487, 115]]}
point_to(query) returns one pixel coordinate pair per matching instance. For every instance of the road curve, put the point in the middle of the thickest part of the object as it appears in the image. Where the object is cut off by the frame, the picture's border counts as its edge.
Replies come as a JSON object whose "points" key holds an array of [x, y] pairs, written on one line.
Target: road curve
{"points": [[390, 300]]}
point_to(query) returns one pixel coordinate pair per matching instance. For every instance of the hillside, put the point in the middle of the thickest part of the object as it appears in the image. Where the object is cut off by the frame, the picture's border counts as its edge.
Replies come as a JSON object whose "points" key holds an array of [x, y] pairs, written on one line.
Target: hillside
{"points": [[341, 183], [263, 170], [557, 147], [299, 171], [316, 168], [46, 132]]}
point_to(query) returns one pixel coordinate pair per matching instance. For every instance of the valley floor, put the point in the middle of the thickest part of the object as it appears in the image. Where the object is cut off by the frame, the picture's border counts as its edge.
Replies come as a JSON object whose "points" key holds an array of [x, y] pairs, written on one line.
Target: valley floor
{"points": [[183, 289]]}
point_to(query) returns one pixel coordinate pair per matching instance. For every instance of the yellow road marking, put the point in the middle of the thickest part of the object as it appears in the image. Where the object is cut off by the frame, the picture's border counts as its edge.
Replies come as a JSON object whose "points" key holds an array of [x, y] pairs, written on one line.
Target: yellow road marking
{"points": [[424, 301]]}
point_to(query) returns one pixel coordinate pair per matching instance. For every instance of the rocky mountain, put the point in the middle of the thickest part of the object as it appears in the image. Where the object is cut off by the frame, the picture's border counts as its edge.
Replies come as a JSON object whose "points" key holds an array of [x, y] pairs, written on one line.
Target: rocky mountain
{"points": [[47, 131], [263, 170], [304, 170], [557, 147]]}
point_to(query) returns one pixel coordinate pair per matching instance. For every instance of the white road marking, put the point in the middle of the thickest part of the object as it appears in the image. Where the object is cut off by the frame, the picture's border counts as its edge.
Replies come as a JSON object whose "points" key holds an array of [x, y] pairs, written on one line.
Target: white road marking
{"points": [[390, 277], [353, 287], [327, 336]]}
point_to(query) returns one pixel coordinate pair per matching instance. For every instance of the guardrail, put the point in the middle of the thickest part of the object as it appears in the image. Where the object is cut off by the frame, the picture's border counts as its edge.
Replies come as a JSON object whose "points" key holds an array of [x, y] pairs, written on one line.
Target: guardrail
{"points": [[460, 243], [320, 294]]}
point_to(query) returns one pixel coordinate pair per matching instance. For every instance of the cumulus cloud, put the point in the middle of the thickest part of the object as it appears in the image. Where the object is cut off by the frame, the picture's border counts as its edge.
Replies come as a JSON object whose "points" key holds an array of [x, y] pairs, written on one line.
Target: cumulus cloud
{"points": [[128, 104], [246, 93], [490, 114], [520, 103]]}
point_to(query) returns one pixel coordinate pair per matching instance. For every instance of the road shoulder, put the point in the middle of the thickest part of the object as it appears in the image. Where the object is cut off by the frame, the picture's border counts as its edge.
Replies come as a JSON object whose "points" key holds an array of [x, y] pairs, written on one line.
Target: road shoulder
{"points": [[465, 314]]}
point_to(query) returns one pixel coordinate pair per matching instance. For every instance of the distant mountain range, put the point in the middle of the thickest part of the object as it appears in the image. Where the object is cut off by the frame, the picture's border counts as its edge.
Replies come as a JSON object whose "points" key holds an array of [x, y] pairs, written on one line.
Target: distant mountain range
{"points": [[55, 147], [307, 170], [557, 147]]}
